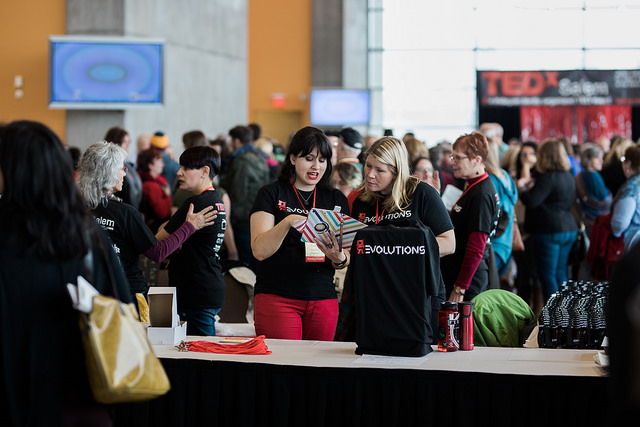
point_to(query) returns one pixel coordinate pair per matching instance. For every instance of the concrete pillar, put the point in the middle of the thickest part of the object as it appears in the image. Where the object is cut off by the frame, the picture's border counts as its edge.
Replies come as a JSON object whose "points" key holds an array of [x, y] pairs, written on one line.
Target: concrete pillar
{"points": [[205, 65], [340, 44]]}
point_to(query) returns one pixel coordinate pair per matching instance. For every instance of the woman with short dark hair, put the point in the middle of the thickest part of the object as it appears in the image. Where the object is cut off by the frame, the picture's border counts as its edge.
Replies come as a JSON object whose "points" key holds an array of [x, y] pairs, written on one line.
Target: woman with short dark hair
{"points": [[194, 269]]}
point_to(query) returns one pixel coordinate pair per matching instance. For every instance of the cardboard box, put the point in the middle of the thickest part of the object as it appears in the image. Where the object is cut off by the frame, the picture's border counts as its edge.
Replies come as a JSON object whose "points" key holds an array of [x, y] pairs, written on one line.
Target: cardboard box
{"points": [[166, 327], [168, 336]]}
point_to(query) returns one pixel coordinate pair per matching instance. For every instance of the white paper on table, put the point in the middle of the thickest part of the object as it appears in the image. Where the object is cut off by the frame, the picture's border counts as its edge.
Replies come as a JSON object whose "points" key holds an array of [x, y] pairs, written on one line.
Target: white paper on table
{"points": [[450, 196], [331, 220]]}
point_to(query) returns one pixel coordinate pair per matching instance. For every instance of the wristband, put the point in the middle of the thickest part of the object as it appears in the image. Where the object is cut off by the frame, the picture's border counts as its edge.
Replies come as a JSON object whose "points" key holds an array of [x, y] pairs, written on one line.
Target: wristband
{"points": [[342, 263]]}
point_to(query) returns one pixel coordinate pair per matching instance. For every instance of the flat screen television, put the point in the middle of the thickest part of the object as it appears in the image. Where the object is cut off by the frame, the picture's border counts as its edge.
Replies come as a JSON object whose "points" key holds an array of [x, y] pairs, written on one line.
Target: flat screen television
{"points": [[88, 72], [339, 107]]}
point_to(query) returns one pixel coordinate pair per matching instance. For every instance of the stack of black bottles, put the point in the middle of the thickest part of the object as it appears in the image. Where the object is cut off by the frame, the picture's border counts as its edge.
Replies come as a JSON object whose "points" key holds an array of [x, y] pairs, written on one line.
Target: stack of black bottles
{"points": [[574, 317]]}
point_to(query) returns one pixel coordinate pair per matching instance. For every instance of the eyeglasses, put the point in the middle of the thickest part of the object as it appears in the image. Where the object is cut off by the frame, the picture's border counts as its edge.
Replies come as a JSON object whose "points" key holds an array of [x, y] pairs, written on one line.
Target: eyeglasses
{"points": [[124, 168], [423, 170], [456, 159]]}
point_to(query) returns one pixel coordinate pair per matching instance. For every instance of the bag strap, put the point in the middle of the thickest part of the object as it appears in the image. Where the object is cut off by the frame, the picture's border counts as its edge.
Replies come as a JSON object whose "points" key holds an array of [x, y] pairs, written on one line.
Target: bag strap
{"points": [[96, 241]]}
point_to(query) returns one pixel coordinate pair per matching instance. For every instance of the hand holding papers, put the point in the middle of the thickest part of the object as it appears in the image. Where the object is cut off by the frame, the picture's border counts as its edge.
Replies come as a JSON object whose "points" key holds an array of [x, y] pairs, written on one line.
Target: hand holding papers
{"points": [[321, 221], [450, 196]]}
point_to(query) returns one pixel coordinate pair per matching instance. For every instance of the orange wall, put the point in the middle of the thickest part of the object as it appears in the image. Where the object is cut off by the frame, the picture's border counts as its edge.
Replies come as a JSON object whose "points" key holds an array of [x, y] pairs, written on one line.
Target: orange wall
{"points": [[279, 54], [25, 26], [279, 57]]}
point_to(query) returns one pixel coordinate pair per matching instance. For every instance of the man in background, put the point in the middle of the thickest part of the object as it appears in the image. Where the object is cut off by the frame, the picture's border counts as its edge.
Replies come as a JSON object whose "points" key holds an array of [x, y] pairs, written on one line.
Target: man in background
{"points": [[349, 146], [247, 173], [160, 141], [495, 132]]}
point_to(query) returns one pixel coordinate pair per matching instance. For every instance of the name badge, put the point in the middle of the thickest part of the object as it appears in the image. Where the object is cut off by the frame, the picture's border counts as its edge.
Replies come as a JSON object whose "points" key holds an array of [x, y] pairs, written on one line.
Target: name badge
{"points": [[312, 253]]}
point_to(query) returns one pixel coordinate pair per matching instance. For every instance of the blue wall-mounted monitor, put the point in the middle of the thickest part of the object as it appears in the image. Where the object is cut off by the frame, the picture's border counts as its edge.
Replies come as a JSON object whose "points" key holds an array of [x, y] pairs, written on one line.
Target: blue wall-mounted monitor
{"points": [[87, 72], [339, 107]]}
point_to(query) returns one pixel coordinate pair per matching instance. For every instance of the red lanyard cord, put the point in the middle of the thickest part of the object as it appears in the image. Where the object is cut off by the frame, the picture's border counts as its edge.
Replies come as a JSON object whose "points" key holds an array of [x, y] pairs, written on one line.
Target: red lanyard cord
{"points": [[482, 178], [254, 346], [382, 214], [295, 190]]}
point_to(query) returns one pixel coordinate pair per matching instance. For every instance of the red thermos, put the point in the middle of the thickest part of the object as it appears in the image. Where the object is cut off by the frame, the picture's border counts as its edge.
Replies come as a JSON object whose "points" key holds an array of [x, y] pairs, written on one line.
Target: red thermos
{"points": [[448, 327], [466, 325]]}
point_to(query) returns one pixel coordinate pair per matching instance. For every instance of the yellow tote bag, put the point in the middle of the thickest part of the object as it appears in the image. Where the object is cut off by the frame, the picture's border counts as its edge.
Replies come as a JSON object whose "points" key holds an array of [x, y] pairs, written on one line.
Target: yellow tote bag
{"points": [[120, 361]]}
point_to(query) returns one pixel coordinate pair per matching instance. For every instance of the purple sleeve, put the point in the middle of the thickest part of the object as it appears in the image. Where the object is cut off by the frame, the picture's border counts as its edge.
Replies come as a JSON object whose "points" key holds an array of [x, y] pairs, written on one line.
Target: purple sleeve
{"points": [[166, 247]]}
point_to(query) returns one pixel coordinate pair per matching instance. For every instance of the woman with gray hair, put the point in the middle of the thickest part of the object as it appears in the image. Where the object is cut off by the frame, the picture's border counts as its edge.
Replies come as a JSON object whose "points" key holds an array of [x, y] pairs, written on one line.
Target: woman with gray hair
{"points": [[100, 175], [593, 195]]}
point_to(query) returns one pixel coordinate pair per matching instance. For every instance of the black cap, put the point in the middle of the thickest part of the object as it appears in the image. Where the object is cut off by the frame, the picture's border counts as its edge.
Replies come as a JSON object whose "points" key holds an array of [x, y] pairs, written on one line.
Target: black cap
{"points": [[351, 137]]}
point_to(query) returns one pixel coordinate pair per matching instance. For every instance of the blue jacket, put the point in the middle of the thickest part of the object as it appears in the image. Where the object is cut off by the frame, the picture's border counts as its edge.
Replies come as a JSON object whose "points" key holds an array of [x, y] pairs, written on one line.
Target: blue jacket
{"points": [[508, 194], [625, 217]]}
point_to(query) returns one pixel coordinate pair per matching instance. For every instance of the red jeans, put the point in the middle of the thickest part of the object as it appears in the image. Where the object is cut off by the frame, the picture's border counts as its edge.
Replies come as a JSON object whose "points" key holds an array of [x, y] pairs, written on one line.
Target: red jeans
{"points": [[293, 319]]}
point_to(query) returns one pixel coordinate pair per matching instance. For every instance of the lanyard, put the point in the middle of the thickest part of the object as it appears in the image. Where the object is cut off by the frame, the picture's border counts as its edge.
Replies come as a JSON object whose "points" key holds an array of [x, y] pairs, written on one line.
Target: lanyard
{"points": [[482, 178], [207, 189], [382, 214], [300, 200]]}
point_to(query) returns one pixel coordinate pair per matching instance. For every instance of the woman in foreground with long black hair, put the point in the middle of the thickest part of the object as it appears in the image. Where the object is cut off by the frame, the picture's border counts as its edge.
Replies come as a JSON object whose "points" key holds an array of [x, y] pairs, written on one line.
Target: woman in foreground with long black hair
{"points": [[45, 232]]}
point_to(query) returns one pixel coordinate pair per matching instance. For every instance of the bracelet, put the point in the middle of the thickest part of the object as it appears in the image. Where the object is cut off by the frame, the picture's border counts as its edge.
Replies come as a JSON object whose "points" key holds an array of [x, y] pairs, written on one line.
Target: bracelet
{"points": [[458, 290], [342, 263]]}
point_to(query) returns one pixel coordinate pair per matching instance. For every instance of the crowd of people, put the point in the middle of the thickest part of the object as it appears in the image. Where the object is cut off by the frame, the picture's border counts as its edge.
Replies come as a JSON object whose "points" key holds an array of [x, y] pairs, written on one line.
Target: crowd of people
{"points": [[235, 200]]}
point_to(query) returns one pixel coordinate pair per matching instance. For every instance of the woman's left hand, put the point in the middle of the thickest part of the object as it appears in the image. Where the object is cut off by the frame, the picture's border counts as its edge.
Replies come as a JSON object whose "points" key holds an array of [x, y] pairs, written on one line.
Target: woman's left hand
{"points": [[331, 249], [455, 297], [203, 218]]}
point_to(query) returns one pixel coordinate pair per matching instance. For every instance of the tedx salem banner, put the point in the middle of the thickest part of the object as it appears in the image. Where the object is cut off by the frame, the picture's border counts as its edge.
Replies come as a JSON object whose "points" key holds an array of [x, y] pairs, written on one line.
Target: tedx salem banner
{"points": [[558, 88]]}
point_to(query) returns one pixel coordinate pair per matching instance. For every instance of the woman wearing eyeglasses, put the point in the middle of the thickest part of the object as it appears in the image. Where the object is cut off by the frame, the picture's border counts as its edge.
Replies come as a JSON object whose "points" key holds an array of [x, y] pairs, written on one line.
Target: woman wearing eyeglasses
{"points": [[422, 168], [474, 216]]}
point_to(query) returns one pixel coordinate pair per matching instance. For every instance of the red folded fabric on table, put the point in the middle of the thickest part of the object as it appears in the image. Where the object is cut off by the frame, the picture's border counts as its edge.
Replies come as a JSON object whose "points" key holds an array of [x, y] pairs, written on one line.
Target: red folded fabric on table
{"points": [[254, 346]]}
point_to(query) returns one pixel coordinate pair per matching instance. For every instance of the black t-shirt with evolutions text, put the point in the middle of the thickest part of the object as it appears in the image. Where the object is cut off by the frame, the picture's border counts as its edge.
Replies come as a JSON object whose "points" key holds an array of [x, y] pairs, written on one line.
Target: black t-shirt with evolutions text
{"points": [[476, 210], [425, 206], [130, 236], [195, 268], [286, 273]]}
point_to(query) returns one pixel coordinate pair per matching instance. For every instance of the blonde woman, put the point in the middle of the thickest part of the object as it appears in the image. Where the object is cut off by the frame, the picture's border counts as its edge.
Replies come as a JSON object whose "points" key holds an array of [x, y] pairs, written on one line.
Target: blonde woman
{"points": [[389, 193], [508, 196]]}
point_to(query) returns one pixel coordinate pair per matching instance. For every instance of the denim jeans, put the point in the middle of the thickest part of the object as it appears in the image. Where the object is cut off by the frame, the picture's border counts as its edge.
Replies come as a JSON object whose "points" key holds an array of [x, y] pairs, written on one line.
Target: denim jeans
{"points": [[200, 321], [551, 253]]}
